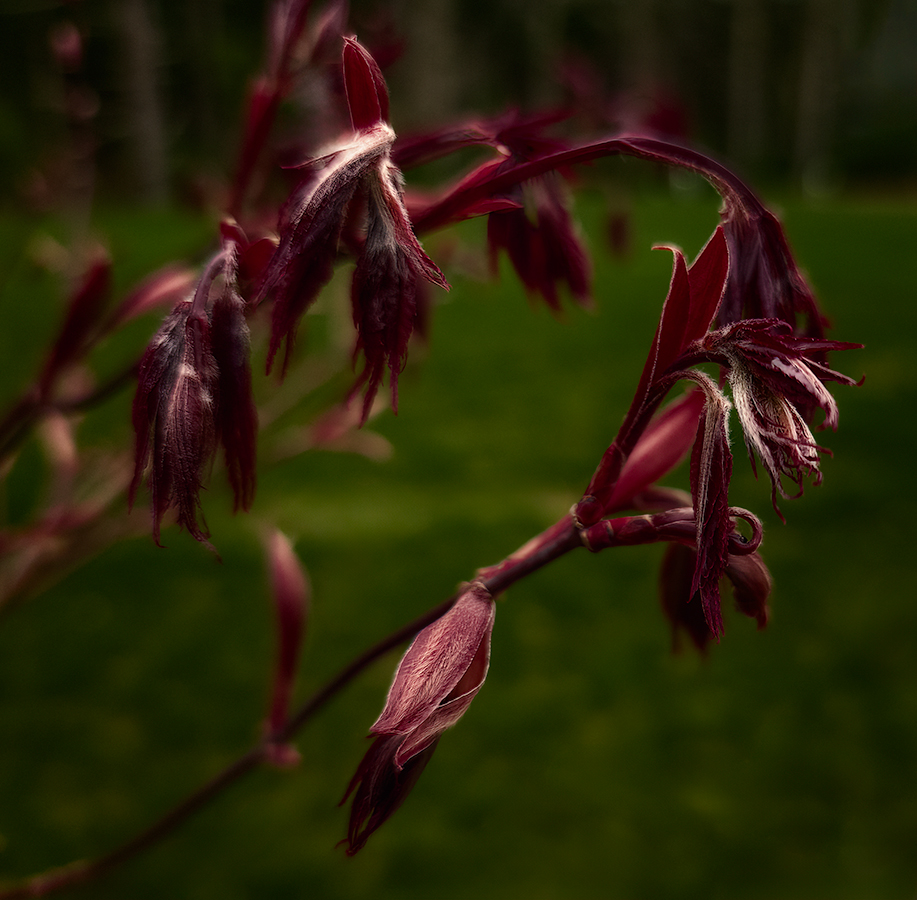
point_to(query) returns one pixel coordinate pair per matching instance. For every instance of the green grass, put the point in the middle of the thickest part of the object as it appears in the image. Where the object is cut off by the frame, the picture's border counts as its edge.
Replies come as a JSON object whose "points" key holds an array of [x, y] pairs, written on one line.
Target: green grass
{"points": [[593, 763]]}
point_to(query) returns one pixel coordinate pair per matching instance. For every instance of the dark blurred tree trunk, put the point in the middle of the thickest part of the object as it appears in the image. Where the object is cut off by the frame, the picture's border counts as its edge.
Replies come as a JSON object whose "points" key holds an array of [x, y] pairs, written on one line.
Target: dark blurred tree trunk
{"points": [[433, 62], [748, 52], [544, 43], [640, 49], [204, 30], [825, 44], [141, 66]]}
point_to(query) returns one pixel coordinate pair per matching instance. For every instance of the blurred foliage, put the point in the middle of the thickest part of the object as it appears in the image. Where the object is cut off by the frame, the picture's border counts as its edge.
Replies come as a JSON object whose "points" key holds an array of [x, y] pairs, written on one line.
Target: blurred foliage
{"points": [[594, 762]]}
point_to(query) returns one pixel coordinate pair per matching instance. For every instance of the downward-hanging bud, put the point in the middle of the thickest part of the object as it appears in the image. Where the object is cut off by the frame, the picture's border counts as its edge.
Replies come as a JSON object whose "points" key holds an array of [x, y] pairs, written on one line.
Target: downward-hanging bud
{"points": [[437, 679], [193, 393], [175, 417], [358, 174], [711, 470]]}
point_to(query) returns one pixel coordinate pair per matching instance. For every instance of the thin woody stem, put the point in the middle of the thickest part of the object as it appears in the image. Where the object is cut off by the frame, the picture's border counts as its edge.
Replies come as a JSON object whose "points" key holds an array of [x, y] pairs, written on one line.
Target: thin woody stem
{"points": [[557, 540], [17, 424], [331, 687], [560, 538], [99, 394], [739, 198], [28, 411], [82, 872]]}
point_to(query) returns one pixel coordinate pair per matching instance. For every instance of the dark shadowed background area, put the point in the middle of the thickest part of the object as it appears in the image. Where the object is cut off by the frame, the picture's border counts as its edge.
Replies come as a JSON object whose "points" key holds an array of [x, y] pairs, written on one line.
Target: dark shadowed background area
{"points": [[594, 762], [822, 91]]}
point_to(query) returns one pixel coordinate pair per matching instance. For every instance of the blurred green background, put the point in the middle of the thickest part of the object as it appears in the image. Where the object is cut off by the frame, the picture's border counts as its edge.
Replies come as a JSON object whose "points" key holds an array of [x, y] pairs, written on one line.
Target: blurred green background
{"points": [[594, 762]]}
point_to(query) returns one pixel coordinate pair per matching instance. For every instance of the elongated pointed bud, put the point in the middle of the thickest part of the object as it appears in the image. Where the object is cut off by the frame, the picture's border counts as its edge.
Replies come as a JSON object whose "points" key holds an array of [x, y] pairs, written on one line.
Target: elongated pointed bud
{"points": [[174, 418], [236, 417], [83, 317], [163, 289], [388, 286], [711, 470], [290, 594], [437, 679], [367, 95], [381, 787], [440, 674]]}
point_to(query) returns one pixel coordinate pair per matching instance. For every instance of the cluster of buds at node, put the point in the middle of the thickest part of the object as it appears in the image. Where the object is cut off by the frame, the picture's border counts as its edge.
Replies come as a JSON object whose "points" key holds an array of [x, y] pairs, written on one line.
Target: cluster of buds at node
{"points": [[391, 270], [194, 394], [194, 389], [531, 221], [777, 380]]}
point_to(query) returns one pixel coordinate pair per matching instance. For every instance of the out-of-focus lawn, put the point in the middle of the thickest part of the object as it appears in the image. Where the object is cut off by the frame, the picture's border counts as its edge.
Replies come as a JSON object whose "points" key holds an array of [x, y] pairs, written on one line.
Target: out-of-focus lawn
{"points": [[594, 762]]}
